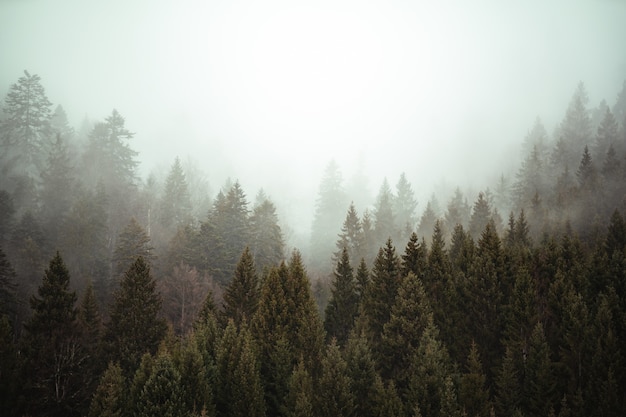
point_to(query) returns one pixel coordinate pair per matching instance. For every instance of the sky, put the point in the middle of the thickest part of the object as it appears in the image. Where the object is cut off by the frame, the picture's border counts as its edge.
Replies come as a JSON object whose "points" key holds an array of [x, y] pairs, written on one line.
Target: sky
{"points": [[268, 92]]}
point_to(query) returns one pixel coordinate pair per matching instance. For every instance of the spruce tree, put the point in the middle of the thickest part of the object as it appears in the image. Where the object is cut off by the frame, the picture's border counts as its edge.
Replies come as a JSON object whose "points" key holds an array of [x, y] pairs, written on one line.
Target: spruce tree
{"points": [[175, 210], [239, 389], [8, 288], [133, 242], [110, 398], [351, 236], [52, 346], [334, 395], [474, 394], [242, 294], [414, 258], [381, 293], [411, 313], [384, 223], [342, 308], [161, 394], [267, 241], [300, 398], [135, 327]]}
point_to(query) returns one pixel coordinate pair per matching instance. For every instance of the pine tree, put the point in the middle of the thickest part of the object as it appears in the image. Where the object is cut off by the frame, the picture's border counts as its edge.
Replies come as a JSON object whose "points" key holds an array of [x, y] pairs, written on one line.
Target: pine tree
{"points": [[110, 398], [334, 396], [351, 236], [239, 389], [607, 134], [8, 288], [404, 205], [136, 326], [414, 258], [481, 214], [410, 315], [267, 242], [176, 209], [196, 378], [342, 309], [329, 210], [161, 394], [427, 221], [586, 170], [381, 293], [300, 398], [57, 178], [384, 223], [361, 369], [25, 130], [52, 346], [474, 394], [242, 294], [508, 387], [133, 242], [457, 211]]}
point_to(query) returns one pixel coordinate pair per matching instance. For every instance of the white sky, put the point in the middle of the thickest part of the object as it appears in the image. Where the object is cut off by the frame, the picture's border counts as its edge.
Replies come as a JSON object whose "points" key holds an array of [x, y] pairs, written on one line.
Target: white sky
{"points": [[270, 91]]}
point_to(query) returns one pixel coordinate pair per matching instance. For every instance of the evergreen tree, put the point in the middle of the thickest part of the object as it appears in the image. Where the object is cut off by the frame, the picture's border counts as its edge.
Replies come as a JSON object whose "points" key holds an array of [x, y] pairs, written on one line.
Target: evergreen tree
{"points": [[414, 258], [481, 214], [367, 386], [427, 221], [607, 134], [267, 242], [176, 209], [242, 294], [334, 395], [133, 242], [474, 394], [57, 179], [110, 398], [300, 399], [196, 378], [404, 205], [575, 127], [52, 348], [329, 209], [410, 315], [457, 211], [136, 326], [508, 386], [539, 382], [351, 236], [161, 394], [342, 309], [381, 293], [239, 389], [384, 223], [586, 170], [25, 131], [8, 288], [362, 279]]}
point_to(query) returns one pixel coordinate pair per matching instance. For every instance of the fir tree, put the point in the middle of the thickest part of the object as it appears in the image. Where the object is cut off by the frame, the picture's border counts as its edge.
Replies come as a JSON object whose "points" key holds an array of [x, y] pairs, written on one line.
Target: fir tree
{"points": [[133, 242], [267, 242], [351, 236], [342, 309], [300, 398], [176, 203], [381, 293], [161, 394], [136, 326], [334, 396], [404, 205], [474, 394], [242, 294], [8, 288], [384, 224], [414, 257], [110, 398], [239, 389]]}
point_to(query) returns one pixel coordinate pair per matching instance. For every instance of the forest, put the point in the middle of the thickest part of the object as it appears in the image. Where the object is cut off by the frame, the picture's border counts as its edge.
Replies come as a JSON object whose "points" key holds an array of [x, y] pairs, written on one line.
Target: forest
{"points": [[130, 296]]}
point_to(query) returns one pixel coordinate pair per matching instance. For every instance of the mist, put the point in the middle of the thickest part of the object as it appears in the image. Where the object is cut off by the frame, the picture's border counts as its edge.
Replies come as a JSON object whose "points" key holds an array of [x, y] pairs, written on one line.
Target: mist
{"points": [[269, 92]]}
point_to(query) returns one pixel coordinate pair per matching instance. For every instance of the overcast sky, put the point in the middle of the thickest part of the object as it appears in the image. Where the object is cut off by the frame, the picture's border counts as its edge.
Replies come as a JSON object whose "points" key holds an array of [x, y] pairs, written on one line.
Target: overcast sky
{"points": [[269, 91]]}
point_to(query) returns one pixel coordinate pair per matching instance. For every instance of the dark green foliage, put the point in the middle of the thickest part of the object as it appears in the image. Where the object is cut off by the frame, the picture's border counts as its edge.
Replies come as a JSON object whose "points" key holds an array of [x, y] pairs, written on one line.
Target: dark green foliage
{"points": [[410, 315], [381, 293], [300, 398], [242, 294], [135, 327], [110, 398], [414, 257], [474, 394], [9, 369], [361, 369], [351, 236], [8, 288], [161, 394], [239, 389], [51, 346], [343, 306], [333, 394]]}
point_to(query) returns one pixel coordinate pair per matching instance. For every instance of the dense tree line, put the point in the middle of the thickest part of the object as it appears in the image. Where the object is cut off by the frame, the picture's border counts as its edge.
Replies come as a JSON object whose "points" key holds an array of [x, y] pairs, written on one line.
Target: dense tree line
{"points": [[130, 297]]}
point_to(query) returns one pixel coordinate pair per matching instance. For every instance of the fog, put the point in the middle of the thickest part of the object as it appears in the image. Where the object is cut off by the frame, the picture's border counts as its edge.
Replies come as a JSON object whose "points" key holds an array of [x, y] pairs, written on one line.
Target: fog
{"points": [[269, 92]]}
